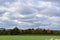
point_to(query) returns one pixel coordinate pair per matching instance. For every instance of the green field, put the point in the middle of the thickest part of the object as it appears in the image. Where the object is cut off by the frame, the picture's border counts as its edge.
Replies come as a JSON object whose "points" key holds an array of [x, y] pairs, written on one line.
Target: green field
{"points": [[29, 37]]}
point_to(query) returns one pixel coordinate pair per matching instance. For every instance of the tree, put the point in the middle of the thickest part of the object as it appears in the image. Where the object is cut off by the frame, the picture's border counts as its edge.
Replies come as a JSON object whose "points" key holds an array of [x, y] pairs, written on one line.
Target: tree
{"points": [[32, 31], [15, 31], [39, 31], [49, 31], [2, 31]]}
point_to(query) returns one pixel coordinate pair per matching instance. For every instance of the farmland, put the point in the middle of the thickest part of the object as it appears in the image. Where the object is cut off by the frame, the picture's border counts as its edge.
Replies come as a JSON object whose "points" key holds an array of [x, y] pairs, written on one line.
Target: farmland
{"points": [[29, 37]]}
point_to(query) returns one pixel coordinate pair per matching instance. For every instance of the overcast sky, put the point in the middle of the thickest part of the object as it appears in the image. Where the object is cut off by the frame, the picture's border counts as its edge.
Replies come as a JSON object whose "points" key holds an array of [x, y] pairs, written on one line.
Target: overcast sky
{"points": [[30, 14]]}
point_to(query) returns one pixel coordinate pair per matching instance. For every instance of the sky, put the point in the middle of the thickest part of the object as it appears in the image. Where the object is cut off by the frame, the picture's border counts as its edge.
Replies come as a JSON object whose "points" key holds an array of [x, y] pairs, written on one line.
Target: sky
{"points": [[26, 14]]}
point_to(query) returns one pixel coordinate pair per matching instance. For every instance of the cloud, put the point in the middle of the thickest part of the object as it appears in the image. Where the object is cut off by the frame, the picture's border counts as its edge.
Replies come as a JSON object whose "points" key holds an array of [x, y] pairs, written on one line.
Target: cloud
{"points": [[30, 14]]}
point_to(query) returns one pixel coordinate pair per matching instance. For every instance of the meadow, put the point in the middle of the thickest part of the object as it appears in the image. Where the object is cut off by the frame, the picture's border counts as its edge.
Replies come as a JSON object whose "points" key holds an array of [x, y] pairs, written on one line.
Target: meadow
{"points": [[29, 37]]}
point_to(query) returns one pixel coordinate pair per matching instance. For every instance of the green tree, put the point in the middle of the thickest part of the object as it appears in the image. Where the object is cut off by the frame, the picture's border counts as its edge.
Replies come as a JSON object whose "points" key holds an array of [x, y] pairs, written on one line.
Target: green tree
{"points": [[15, 31]]}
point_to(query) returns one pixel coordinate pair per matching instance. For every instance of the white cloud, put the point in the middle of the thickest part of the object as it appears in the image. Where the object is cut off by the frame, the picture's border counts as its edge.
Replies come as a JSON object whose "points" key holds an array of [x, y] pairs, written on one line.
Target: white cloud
{"points": [[2, 8], [17, 21], [31, 13], [5, 16]]}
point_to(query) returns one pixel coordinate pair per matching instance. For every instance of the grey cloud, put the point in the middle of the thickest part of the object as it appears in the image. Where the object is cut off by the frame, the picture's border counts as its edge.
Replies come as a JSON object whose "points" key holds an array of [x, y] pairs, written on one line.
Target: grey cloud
{"points": [[52, 12], [51, 0], [29, 9], [1, 13], [2, 2]]}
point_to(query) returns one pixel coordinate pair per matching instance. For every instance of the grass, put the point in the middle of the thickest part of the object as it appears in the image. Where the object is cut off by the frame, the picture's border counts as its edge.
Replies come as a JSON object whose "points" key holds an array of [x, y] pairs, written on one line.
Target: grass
{"points": [[28, 37]]}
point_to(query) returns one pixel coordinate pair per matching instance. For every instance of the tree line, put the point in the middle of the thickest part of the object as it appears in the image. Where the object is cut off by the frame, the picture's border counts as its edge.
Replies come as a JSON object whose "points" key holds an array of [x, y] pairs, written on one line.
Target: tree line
{"points": [[17, 31]]}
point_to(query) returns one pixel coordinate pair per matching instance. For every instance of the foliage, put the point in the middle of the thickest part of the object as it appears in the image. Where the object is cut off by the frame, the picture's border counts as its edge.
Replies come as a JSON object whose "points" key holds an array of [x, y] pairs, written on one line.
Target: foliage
{"points": [[17, 31]]}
